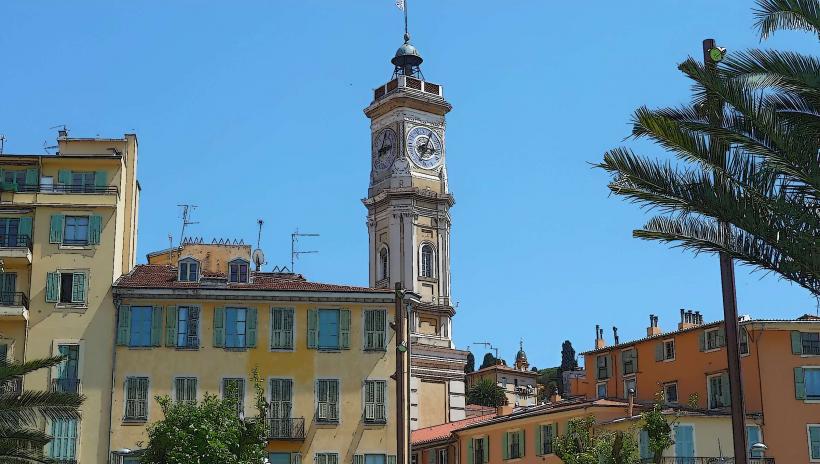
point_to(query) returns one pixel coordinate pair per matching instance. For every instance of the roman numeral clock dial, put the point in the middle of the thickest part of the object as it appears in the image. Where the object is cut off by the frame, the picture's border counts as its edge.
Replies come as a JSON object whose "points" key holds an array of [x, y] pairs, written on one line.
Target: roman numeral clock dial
{"points": [[385, 148], [424, 147]]}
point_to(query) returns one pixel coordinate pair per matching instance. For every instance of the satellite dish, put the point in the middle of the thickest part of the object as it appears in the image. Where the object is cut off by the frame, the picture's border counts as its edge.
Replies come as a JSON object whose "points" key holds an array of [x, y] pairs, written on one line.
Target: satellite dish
{"points": [[258, 258]]}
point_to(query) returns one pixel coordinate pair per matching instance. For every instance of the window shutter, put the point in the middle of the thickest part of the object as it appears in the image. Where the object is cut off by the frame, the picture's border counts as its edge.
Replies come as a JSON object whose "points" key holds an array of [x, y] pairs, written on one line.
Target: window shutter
{"points": [[156, 327], [24, 227], [100, 179], [721, 336], [799, 384], [64, 176], [506, 445], [219, 327], [78, 288], [287, 328], [726, 394], [522, 442], [470, 451], [296, 458], [391, 459], [344, 329], [94, 229], [31, 177], [797, 343], [608, 366], [486, 441], [123, 324], [251, 332], [358, 459], [431, 457], [702, 341], [312, 329], [55, 234], [171, 326], [538, 441], [52, 287]]}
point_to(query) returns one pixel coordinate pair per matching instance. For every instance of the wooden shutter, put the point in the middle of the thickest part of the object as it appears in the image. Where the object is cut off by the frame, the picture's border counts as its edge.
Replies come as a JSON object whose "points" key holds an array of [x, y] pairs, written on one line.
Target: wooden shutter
{"points": [[78, 288], [486, 441], [797, 343], [171, 326], [123, 324], [287, 328], [721, 335], [219, 327], [52, 287], [538, 441], [251, 328], [358, 459], [156, 326], [799, 384], [24, 227], [609, 366], [313, 329], [100, 179], [659, 351], [344, 329], [295, 458], [522, 443], [64, 177], [32, 180], [94, 229], [470, 451], [702, 340], [726, 394], [333, 399], [276, 323], [55, 234], [391, 459], [506, 444]]}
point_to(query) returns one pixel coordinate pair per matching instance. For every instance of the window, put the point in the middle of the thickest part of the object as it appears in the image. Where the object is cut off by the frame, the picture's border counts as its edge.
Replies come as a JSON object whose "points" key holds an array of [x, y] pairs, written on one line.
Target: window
{"points": [[188, 270], [670, 392], [136, 398], [76, 230], [601, 390], [15, 177], [718, 386], [744, 341], [9, 232], [427, 260], [142, 324], [384, 264], [375, 329], [68, 371], [752, 437], [630, 361], [630, 384], [236, 324], [281, 403], [375, 459], [810, 343], [327, 458], [82, 181], [233, 389], [603, 366], [504, 383], [63, 446], [374, 401], [713, 339], [665, 350], [513, 446], [807, 383], [480, 450], [814, 441], [329, 329], [327, 400], [238, 271], [279, 458], [185, 388], [66, 287], [441, 454], [281, 329], [546, 432], [187, 326]]}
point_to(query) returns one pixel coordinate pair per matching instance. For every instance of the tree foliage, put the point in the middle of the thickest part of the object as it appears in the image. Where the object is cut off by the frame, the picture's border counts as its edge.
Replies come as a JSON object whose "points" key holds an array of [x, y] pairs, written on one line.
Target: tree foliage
{"points": [[490, 360], [581, 444], [208, 431], [658, 430], [486, 393], [21, 412], [470, 367], [568, 359]]}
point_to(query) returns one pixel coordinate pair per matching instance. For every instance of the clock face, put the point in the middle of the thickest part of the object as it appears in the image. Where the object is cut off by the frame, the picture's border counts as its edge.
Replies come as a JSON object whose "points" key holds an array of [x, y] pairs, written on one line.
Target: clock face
{"points": [[424, 147], [385, 148]]}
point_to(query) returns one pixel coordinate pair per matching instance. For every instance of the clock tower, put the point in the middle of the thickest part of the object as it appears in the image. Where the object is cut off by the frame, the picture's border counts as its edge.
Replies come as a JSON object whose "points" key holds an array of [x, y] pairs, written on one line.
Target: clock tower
{"points": [[408, 220]]}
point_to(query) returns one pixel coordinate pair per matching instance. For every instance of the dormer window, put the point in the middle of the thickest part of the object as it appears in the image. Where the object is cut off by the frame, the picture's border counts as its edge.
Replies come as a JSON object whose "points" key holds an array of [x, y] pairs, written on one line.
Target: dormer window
{"points": [[188, 270], [238, 271]]}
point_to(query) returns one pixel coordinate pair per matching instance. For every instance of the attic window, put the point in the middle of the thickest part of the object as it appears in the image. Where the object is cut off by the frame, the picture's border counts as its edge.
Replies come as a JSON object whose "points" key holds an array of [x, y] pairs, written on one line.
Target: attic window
{"points": [[238, 271], [188, 270]]}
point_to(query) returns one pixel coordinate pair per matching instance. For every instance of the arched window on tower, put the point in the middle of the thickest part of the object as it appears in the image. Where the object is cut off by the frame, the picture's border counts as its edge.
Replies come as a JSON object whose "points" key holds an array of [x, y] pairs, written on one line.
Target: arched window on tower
{"points": [[384, 264], [427, 261]]}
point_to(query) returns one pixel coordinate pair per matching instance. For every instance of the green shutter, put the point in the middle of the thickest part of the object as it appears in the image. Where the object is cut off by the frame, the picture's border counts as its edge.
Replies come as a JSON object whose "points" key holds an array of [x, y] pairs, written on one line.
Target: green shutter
{"points": [[219, 327], [470, 451], [52, 287], [486, 441], [391, 459], [659, 351], [797, 343], [505, 442], [312, 329], [702, 341], [251, 332], [722, 336], [799, 384], [358, 459], [31, 177], [55, 234], [100, 179], [726, 396], [522, 442], [171, 326], [78, 288], [156, 327], [64, 177], [344, 329], [123, 324], [94, 229], [24, 227], [609, 361], [538, 441]]}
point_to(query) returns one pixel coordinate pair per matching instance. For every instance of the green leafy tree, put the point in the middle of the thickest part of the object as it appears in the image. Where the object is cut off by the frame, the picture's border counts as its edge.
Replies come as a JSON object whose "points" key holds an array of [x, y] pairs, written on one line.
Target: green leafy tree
{"points": [[568, 359], [470, 367], [580, 444], [489, 360], [748, 145], [21, 441], [208, 431], [486, 393], [658, 430]]}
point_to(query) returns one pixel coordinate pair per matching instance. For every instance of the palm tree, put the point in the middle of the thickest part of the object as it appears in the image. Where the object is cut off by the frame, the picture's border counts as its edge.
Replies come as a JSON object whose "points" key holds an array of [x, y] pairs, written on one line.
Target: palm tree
{"points": [[23, 413], [486, 393], [753, 164]]}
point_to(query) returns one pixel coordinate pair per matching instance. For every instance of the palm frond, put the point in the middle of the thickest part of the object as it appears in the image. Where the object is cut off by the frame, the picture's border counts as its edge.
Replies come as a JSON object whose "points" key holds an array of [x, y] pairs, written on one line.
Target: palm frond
{"points": [[15, 369], [33, 437], [775, 15], [31, 405], [13, 453]]}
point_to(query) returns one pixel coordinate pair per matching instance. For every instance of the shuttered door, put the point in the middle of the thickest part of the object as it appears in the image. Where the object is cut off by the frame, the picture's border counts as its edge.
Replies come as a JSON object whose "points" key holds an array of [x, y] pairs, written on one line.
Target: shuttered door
{"points": [[281, 391]]}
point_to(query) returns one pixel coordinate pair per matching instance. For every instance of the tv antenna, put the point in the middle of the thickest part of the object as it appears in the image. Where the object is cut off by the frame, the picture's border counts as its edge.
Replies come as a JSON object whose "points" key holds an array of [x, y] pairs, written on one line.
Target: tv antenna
{"points": [[187, 209], [489, 346], [2, 143], [258, 256], [47, 147], [294, 253]]}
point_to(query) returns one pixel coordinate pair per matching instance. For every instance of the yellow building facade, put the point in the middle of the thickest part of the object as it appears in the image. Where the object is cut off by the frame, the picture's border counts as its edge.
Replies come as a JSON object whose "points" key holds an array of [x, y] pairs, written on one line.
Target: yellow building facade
{"points": [[67, 231]]}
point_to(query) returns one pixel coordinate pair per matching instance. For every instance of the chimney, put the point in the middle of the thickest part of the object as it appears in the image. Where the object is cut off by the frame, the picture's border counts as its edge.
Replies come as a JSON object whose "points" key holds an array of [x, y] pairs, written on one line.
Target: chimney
{"points": [[653, 328], [599, 337], [689, 319], [615, 334], [504, 410], [555, 396]]}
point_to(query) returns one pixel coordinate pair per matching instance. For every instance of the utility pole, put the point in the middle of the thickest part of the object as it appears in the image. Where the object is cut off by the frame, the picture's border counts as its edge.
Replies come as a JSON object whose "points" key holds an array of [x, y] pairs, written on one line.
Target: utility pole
{"points": [[402, 377], [714, 114]]}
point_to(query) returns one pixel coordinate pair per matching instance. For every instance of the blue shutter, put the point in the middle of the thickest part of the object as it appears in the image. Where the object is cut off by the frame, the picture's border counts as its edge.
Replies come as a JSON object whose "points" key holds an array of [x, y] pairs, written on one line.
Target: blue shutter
{"points": [[100, 179], [752, 437], [123, 324], [156, 326], [643, 440], [55, 234], [313, 329], [52, 287], [219, 327], [78, 288], [94, 229], [251, 328], [24, 228], [32, 180], [684, 441]]}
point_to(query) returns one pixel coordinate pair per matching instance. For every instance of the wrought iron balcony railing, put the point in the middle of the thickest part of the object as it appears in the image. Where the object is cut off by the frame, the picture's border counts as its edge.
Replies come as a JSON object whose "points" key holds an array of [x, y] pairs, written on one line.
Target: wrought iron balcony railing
{"points": [[15, 241], [286, 429], [65, 385], [12, 386], [13, 299], [707, 460], [59, 188]]}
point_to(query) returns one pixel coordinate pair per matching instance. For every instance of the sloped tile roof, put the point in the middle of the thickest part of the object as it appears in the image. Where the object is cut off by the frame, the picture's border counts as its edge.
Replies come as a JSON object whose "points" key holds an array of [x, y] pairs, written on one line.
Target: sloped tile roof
{"points": [[163, 276], [444, 431]]}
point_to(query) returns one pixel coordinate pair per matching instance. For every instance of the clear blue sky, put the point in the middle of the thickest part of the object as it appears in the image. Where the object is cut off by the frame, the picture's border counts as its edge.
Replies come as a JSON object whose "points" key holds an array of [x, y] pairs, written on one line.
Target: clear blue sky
{"points": [[254, 109]]}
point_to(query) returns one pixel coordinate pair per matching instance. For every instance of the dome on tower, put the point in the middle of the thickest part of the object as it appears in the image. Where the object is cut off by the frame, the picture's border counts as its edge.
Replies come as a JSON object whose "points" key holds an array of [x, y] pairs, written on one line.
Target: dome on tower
{"points": [[407, 59], [521, 362]]}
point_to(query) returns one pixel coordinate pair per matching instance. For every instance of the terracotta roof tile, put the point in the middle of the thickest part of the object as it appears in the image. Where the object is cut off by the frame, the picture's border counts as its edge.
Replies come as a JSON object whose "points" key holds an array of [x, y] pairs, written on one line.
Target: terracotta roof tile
{"points": [[444, 431], [163, 276]]}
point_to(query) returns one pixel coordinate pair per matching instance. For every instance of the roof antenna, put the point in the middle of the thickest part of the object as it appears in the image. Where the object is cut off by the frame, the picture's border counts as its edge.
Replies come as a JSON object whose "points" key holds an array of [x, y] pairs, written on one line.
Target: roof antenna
{"points": [[187, 209], [258, 256], [2, 143], [294, 253]]}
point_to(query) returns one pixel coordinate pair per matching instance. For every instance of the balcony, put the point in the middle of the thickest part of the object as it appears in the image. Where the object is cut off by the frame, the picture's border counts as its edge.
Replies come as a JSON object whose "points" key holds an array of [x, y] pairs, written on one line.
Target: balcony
{"points": [[286, 429], [13, 386], [65, 385], [15, 250], [708, 460], [97, 189], [13, 306]]}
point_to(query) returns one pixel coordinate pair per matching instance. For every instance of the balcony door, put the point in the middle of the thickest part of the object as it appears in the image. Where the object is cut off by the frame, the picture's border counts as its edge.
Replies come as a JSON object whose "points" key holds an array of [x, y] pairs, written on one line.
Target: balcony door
{"points": [[281, 403], [9, 228], [68, 370], [684, 444], [8, 285]]}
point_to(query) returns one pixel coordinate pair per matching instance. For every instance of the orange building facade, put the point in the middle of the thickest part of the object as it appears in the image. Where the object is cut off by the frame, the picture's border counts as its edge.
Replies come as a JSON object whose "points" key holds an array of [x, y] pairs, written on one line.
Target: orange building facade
{"points": [[780, 366]]}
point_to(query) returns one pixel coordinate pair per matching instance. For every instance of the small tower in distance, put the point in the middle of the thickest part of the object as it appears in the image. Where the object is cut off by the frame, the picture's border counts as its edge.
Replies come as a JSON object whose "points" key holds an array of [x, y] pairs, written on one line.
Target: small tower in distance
{"points": [[521, 362]]}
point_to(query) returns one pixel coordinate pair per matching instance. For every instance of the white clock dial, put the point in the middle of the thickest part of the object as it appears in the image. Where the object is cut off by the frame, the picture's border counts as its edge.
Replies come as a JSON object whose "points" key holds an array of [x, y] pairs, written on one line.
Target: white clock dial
{"points": [[385, 148], [424, 147]]}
